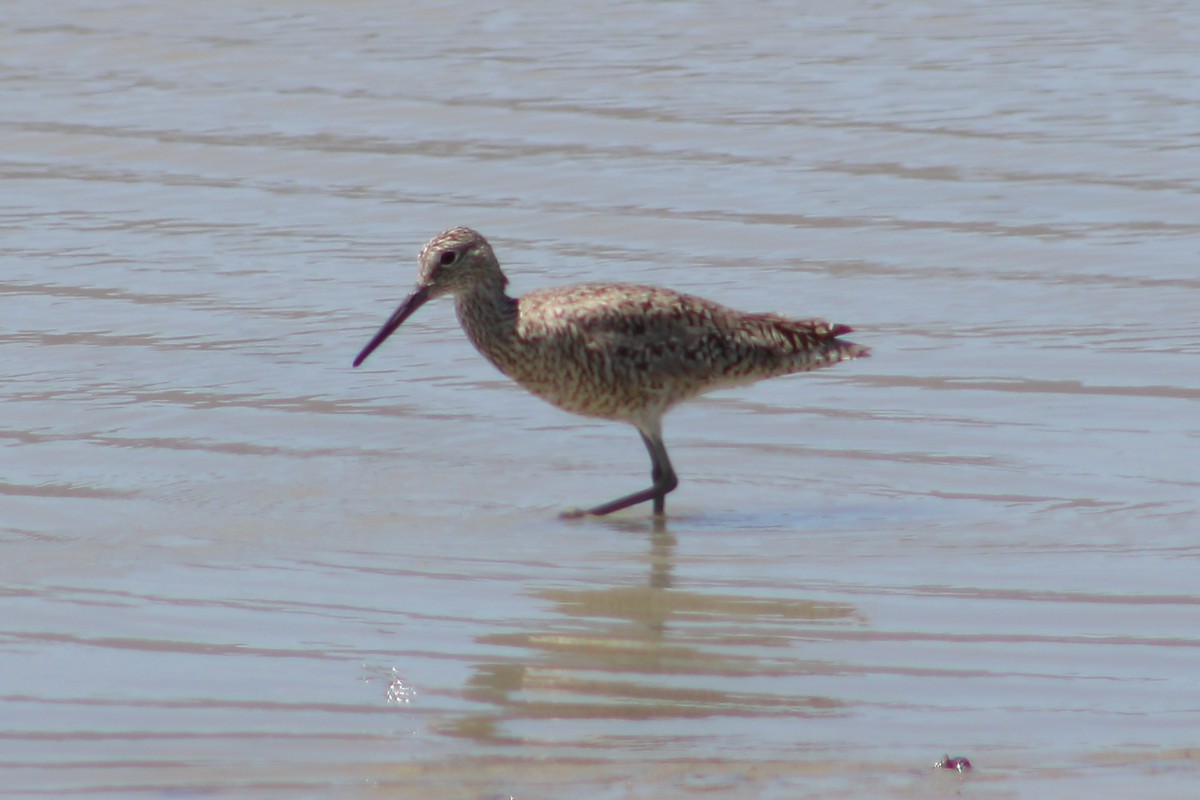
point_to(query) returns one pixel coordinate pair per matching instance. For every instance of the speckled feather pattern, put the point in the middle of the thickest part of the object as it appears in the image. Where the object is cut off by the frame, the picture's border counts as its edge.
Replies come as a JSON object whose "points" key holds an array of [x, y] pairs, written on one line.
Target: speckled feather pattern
{"points": [[621, 351], [629, 352]]}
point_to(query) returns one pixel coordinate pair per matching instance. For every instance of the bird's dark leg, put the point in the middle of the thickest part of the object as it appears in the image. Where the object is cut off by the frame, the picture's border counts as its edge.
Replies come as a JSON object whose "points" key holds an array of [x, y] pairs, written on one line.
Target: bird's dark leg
{"points": [[661, 473]]}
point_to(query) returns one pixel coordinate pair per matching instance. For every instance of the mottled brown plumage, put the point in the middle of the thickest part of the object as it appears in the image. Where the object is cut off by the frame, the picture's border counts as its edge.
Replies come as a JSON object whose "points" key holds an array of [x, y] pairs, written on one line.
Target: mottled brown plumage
{"points": [[613, 350]]}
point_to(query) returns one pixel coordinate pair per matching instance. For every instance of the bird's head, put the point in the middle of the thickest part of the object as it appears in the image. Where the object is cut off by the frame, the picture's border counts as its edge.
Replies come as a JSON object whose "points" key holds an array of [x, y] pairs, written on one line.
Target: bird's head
{"points": [[455, 261]]}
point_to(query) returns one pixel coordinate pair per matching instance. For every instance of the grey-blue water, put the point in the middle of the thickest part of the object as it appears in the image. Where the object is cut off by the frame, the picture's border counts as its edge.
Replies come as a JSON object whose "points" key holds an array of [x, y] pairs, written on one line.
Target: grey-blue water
{"points": [[232, 566]]}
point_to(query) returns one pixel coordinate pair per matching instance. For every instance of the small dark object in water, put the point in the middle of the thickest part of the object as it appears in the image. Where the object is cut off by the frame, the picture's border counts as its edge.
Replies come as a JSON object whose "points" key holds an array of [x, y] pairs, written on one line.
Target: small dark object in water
{"points": [[956, 763]]}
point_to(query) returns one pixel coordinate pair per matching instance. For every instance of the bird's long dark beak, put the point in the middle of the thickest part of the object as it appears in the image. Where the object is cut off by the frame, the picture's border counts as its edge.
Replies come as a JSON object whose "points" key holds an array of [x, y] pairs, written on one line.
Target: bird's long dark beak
{"points": [[414, 301]]}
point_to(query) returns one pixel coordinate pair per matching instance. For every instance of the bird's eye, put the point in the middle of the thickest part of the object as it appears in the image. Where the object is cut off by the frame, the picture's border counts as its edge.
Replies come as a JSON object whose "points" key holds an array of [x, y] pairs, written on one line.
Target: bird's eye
{"points": [[448, 257]]}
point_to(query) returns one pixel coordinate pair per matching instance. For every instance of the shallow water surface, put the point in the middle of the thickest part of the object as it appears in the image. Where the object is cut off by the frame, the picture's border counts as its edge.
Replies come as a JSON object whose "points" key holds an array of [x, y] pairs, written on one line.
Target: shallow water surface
{"points": [[233, 566]]}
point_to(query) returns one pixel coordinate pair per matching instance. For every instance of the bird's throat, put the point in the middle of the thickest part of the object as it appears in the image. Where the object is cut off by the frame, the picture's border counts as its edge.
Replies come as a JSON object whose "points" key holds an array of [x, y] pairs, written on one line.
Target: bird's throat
{"points": [[489, 318]]}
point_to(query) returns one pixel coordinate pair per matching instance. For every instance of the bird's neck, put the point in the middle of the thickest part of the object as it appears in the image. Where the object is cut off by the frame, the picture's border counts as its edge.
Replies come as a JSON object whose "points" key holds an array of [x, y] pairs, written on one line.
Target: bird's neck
{"points": [[489, 318]]}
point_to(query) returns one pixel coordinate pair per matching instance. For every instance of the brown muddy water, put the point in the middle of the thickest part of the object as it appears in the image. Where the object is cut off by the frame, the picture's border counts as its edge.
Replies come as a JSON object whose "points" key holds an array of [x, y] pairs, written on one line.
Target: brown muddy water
{"points": [[232, 566]]}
